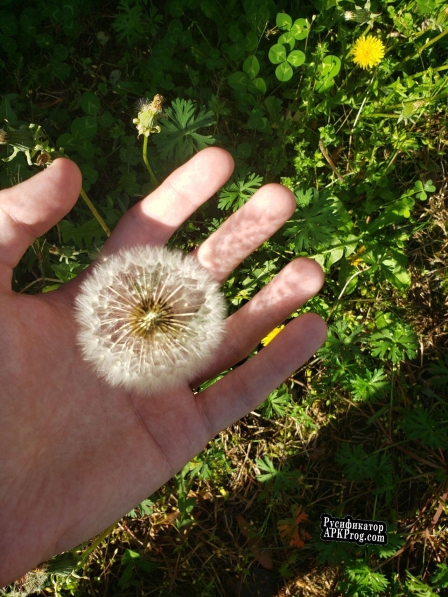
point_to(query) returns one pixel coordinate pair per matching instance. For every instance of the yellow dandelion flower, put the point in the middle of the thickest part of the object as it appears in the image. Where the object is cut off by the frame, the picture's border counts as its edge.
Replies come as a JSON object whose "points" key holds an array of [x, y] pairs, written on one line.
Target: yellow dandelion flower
{"points": [[272, 335], [368, 51]]}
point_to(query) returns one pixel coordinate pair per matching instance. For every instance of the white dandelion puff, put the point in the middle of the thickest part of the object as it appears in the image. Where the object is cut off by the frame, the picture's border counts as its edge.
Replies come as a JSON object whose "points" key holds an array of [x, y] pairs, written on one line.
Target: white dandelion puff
{"points": [[150, 318]]}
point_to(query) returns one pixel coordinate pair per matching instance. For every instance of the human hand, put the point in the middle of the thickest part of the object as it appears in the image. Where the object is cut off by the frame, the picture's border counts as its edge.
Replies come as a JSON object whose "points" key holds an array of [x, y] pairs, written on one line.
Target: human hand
{"points": [[77, 454]]}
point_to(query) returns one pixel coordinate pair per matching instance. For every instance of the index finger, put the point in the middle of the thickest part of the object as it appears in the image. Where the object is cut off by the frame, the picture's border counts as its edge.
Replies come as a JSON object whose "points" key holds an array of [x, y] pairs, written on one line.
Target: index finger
{"points": [[154, 220]]}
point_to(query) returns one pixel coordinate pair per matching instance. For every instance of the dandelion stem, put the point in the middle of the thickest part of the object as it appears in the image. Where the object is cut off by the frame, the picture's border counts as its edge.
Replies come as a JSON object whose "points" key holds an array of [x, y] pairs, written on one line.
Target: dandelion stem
{"points": [[93, 209], [145, 159], [417, 52], [97, 541]]}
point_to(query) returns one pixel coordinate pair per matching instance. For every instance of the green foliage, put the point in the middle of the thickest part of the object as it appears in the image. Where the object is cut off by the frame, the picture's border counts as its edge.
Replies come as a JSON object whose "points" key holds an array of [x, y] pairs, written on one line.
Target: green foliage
{"points": [[133, 564], [369, 385], [135, 23], [362, 151], [179, 138], [282, 479], [314, 222], [235, 194], [428, 427], [356, 463], [361, 581]]}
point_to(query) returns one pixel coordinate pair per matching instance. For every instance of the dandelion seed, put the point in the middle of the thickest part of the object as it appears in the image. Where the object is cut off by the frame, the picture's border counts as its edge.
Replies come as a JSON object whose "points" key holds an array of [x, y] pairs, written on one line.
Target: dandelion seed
{"points": [[368, 51], [150, 318]]}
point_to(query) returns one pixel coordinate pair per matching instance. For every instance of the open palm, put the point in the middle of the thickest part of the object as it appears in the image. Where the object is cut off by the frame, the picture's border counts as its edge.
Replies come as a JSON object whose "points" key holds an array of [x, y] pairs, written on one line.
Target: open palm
{"points": [[76, 454]]}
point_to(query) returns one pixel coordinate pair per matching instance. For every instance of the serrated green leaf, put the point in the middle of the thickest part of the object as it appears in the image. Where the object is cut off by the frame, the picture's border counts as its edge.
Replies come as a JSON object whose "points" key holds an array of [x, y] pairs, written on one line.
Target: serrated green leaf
{"points": [[356, 464], [313, 225], [179, 139], [427, 427], [236, 193]]}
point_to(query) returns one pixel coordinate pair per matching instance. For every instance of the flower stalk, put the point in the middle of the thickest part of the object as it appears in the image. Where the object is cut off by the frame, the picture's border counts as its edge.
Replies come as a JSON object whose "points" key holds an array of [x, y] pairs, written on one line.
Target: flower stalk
{"points": [[146, 125], [95, 212]]}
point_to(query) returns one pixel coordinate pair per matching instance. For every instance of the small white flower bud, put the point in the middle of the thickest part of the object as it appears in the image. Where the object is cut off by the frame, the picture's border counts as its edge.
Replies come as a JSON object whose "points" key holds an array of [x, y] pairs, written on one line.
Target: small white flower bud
{"points": [[150, 318]]}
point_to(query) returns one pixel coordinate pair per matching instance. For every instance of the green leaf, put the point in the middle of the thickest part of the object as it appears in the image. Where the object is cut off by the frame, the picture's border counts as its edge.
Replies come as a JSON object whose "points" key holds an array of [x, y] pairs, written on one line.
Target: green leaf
{"points": [[277, 54], [393, 267], [63, 564], [323, 85], [369, 385], [237, 50], [440, 578], [283, 72], [60, 69], [428, 427], [29, 19], [327, 71], [393, 213], [66, 141], [281, 479], [237, 193], [85, 148], [84, 127], [238, 81], [356, 464], [60, 52], [396, 343], [296, 58], [179, 139], [251, 66], [250, 41], [287, 39], [313, 225], [367, 582], [235, 33], [106, 119], [283, 21], [44, 40], [330, 67], [90, 103], [300, 29], [82, 235], [259, 84], [130, 155], [8, 23]]}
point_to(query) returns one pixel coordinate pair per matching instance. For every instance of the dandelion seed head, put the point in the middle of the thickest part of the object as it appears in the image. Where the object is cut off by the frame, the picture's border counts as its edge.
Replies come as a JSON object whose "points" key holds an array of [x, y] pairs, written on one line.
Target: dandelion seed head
{"points": [[148, 112], [150, 318]]}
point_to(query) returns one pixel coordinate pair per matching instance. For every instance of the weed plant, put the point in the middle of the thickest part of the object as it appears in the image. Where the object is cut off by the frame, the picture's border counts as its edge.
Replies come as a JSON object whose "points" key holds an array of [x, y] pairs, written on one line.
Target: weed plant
{"points": [[360, 139]]}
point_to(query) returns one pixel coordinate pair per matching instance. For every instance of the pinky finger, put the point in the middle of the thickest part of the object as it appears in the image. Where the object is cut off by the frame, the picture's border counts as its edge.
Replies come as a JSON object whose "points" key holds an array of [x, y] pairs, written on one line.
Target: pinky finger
{"points": [[245, 388]]}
